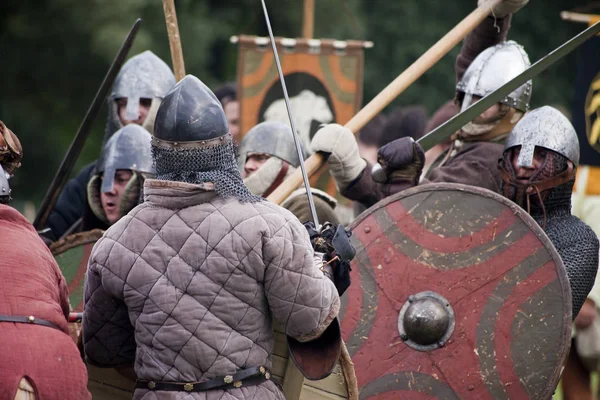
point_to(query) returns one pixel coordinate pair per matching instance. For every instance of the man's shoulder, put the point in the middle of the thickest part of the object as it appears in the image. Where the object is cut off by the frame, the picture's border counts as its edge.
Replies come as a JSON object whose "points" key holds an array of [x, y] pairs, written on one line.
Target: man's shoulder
{"points": [[484, 154], [584, 232], [483, 148], [576, 234], [274, 216], [86, 173]]}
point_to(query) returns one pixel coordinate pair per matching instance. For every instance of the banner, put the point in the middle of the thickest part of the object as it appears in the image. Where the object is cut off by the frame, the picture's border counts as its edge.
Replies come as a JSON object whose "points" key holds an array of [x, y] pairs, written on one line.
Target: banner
{"points": [[586, 103], [324, 79]]}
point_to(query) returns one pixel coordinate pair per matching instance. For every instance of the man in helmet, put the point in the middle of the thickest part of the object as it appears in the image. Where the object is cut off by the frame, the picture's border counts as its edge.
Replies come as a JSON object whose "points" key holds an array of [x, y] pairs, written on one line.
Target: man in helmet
{"points": [[116, 188], [201, 268], [134, 99], [538, 169], [227, 95], [39, 358], [491, 62], [266, 156]]}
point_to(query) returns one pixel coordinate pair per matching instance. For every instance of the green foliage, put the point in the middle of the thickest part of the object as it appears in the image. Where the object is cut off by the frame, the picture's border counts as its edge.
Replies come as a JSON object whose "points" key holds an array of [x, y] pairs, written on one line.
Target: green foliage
{"points": [[402, 31], [55, 53]]}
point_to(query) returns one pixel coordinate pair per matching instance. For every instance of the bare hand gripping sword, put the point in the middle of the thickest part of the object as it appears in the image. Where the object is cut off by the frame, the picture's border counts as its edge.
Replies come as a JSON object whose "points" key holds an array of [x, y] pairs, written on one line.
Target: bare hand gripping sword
{"points": [[292, 123]]}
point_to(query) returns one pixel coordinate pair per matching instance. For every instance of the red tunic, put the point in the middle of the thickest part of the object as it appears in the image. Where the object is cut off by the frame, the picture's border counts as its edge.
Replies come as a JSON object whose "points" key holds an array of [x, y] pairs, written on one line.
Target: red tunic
{"points": [[32, 284]]}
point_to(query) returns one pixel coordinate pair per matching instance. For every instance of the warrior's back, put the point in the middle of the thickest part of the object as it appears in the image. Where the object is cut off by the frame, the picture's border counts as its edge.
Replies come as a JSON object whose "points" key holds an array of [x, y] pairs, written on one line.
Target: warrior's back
{"points": [[202, 278]]}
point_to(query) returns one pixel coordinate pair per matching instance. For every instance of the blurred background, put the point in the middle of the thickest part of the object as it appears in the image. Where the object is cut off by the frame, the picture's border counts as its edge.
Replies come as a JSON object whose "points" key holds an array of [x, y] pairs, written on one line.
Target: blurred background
{"points": [[54, 54]]}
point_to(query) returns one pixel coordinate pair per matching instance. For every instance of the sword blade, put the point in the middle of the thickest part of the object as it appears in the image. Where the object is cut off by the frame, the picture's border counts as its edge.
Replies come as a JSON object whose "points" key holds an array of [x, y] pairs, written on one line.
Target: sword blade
{"points": [[83, 132], [311, 203], [447, 129]]}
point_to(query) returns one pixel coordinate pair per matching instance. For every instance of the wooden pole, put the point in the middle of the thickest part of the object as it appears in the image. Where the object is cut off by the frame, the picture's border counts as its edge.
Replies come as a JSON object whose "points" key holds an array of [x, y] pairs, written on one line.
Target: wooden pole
{"points": [[174, 39], [308, 24], [387, 95], [578, 17]]}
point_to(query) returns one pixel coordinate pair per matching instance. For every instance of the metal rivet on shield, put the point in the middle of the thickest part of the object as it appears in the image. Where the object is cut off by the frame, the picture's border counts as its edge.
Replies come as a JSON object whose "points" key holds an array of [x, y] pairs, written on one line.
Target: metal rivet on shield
{"points": [[471, 387], [368, 229]]}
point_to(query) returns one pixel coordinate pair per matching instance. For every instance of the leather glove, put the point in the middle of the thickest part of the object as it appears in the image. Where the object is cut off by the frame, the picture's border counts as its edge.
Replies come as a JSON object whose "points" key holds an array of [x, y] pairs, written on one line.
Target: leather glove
{"points": [[334, 243], [505, 7], [11, 151], [345, 164], [402, 159]]}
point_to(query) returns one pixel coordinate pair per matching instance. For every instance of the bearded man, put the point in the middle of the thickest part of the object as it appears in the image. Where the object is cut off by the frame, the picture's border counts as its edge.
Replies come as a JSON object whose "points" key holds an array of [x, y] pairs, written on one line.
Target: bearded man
{"points": [[538, 170]]}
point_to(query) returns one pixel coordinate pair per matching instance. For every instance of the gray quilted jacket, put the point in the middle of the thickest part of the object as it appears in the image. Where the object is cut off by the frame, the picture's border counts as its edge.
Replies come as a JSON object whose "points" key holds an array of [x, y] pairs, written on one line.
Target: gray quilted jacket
{"points": [[195, 281]]}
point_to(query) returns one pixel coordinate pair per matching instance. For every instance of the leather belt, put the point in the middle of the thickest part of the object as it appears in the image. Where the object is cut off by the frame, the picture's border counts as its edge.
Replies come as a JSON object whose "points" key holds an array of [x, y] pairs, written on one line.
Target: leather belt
{"points": [[28, 320], [245, 377]]}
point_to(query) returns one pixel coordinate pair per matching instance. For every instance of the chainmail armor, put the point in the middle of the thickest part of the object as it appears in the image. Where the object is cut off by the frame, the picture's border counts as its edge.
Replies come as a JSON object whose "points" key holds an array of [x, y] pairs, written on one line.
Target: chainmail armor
{"points": [[205, 164], [575, 241]]}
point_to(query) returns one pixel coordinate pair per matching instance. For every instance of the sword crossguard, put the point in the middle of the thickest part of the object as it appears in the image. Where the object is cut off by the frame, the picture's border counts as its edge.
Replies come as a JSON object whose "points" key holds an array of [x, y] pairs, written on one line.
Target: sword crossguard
{"points": [[75, 317]]}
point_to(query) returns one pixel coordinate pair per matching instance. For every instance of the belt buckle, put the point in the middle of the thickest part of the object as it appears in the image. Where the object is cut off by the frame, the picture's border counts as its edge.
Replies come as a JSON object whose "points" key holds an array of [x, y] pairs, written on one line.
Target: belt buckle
{"points": [[188, 387]]}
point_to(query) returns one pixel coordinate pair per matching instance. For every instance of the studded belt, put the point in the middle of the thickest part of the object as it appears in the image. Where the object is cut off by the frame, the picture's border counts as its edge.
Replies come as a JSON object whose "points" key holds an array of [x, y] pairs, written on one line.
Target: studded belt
{"points": [[28, 320], [245, 377]]}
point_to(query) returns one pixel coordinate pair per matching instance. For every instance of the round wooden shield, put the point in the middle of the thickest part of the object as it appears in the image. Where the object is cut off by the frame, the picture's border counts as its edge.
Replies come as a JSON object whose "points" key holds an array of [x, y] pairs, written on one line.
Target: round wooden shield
{"points": [[456, 293], [72, 254]]}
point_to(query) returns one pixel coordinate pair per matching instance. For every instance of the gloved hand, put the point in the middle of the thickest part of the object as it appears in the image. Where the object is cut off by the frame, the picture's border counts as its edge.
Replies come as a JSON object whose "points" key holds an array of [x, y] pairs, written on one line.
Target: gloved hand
{"points": [[505, 7], [402, 159], [345, 164], [334, 243]]}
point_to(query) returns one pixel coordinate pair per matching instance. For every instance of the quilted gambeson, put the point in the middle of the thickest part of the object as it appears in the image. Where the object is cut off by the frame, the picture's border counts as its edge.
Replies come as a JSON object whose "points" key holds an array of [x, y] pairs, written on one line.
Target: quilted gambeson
{"points": [[195, 281]]}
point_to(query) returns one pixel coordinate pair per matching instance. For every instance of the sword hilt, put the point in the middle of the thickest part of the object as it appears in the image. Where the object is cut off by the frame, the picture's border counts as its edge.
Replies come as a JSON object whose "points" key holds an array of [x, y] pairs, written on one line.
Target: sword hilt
{"points": [[75, 317]]}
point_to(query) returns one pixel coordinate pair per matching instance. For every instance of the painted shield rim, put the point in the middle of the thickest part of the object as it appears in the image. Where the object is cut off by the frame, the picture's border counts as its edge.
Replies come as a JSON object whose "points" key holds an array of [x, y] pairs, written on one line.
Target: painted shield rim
{"points": [[562, 278], [74, 240]]}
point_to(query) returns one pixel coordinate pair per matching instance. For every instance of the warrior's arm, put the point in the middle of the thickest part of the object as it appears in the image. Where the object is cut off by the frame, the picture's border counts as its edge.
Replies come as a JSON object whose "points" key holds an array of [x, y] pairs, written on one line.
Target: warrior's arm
{"points": [[580, 256], [402, 162], [477, 165], [300, 296], [108, 337], [299, 206], [488, 33], [352, 174], [473, 173], [70, 205], [368, 192], [64, 295]]}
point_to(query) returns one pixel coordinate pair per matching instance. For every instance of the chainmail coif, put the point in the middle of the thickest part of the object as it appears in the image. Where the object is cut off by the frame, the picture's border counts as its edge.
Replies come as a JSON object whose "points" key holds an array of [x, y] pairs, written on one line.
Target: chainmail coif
{"points": [[575, 241], [214, 164]]}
